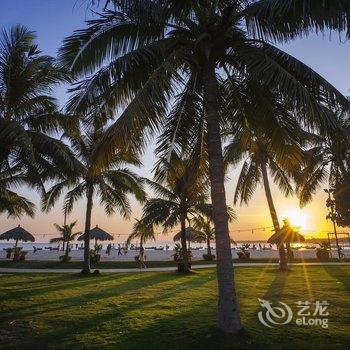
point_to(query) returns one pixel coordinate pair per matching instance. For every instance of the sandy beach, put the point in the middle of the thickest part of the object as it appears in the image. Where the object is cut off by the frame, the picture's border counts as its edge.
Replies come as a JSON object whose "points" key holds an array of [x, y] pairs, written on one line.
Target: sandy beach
{"points": [[163, 255]]}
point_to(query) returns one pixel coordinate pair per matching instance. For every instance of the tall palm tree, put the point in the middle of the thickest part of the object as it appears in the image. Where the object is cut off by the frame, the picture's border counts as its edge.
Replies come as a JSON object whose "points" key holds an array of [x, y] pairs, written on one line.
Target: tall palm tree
{"points": [[327, 159], [139, 54], [29, 117], [180, 188], [111, 183], [143, 232], [67, 236], [278, 150]]}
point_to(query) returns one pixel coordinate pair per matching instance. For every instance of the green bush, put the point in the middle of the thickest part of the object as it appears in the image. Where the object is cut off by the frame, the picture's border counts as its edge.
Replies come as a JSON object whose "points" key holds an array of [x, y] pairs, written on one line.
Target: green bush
{"points": [[64, 258], [209, 257]]}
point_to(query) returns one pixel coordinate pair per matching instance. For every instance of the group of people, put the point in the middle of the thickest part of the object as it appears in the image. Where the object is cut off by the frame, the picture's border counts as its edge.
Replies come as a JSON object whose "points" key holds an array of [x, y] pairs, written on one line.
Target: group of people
{"points": [[121, 249]]}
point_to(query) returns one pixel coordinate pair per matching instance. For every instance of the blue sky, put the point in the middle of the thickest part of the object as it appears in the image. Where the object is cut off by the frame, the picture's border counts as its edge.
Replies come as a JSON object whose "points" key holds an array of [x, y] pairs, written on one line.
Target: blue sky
{"points": [[55, 19]]}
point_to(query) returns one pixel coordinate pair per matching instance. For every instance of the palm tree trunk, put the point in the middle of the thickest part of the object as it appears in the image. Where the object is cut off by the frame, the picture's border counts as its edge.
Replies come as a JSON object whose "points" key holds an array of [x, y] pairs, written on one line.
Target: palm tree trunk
{"points": [[228, 313], [86, 268], [67, 251], [289, 251], [184, 245], [273, 213], [208, 246]]}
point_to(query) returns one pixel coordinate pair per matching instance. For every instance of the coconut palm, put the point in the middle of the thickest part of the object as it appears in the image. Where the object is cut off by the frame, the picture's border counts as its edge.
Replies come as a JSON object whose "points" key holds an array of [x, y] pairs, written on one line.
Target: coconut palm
{"points": [[139, 54], [180, 186], [111, 183], [278, 150], [204, 229], [10, 202], [29, 117], [67, 236], [326, 159], [143, 232], [15, 205]]}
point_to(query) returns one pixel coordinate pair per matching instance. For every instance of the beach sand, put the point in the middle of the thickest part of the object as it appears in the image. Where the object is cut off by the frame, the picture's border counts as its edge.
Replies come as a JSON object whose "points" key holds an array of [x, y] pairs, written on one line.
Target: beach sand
{"points": [[162, 255]]}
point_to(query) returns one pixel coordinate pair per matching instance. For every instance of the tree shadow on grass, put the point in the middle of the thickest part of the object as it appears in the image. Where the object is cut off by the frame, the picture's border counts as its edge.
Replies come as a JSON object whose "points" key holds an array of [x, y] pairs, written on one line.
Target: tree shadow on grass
{"points": [[115, 315], [273, 293], [81, 303], [120, 286], [339, 274], [169, 331]]}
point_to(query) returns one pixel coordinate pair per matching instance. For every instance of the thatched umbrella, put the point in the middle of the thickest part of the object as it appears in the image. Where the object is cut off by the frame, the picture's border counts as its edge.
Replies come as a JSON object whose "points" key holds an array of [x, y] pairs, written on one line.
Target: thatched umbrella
{"points": [[190, 234], [287, 234], [18, 234], [98, 235]]}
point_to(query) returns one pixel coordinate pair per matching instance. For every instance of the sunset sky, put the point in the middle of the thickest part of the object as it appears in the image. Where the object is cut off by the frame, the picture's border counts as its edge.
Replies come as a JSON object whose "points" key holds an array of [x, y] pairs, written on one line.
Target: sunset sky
{"points": [[54, 19]]}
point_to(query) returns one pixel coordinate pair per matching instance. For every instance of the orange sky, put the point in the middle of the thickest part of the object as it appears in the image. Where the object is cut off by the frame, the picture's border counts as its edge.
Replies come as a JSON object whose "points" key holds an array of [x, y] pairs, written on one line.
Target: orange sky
{"points": [[253, 216]]}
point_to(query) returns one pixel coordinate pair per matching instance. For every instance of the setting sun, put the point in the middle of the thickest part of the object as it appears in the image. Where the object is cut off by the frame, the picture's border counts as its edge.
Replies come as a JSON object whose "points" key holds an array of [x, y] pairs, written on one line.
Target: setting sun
{"points": [[296, 217]]}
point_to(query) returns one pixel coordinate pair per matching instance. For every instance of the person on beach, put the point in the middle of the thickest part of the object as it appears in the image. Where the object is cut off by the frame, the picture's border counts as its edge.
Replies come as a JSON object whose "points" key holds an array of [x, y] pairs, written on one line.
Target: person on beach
{"points": [[142, 258], [119, 249], [108, 250]]}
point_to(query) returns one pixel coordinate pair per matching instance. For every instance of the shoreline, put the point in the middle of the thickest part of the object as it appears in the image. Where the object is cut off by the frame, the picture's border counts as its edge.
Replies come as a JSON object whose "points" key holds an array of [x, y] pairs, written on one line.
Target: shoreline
{"points": [[163, 255]]}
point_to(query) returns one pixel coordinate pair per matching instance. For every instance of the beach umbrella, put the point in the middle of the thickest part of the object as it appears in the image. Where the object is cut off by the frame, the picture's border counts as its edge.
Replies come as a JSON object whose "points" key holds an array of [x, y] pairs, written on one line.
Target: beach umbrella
{"points": [[98, 235], [287, 234], [18, 234], [190, 234]]}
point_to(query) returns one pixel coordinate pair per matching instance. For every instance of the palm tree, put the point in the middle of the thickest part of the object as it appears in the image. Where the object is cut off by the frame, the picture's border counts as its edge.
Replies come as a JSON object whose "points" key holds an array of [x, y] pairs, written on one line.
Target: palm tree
{"points": [[203, 226], [326, 160], [15, 205], [278, 150], [204, 231], [29, 117], [139, 54], [10, 202], [67, 236], [180, 188], [142, 231], [111, 183]]}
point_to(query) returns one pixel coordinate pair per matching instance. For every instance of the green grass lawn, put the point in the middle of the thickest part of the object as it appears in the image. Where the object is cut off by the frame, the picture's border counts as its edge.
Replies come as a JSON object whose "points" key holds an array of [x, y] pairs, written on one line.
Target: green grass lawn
{"points": [[42, 264], [166, 310]]}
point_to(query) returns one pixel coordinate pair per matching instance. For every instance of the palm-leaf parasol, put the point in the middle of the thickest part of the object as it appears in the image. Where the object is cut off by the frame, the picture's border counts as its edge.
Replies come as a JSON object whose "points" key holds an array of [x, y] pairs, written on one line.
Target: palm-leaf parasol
{"points": [[191, 236], [18, 234], [98, 235], [287, 234]]}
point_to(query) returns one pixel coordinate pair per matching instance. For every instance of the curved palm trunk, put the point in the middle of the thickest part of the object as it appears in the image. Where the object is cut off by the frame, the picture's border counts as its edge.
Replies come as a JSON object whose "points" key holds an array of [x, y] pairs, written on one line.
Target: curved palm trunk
{"points": [[184, 245], [228, 313], [86, 268], [273, 213]]}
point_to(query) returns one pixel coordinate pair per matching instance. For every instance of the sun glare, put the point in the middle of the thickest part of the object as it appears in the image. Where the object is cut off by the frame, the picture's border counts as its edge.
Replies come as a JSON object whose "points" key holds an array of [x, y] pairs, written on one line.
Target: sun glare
{"points": [[296, 217]]}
